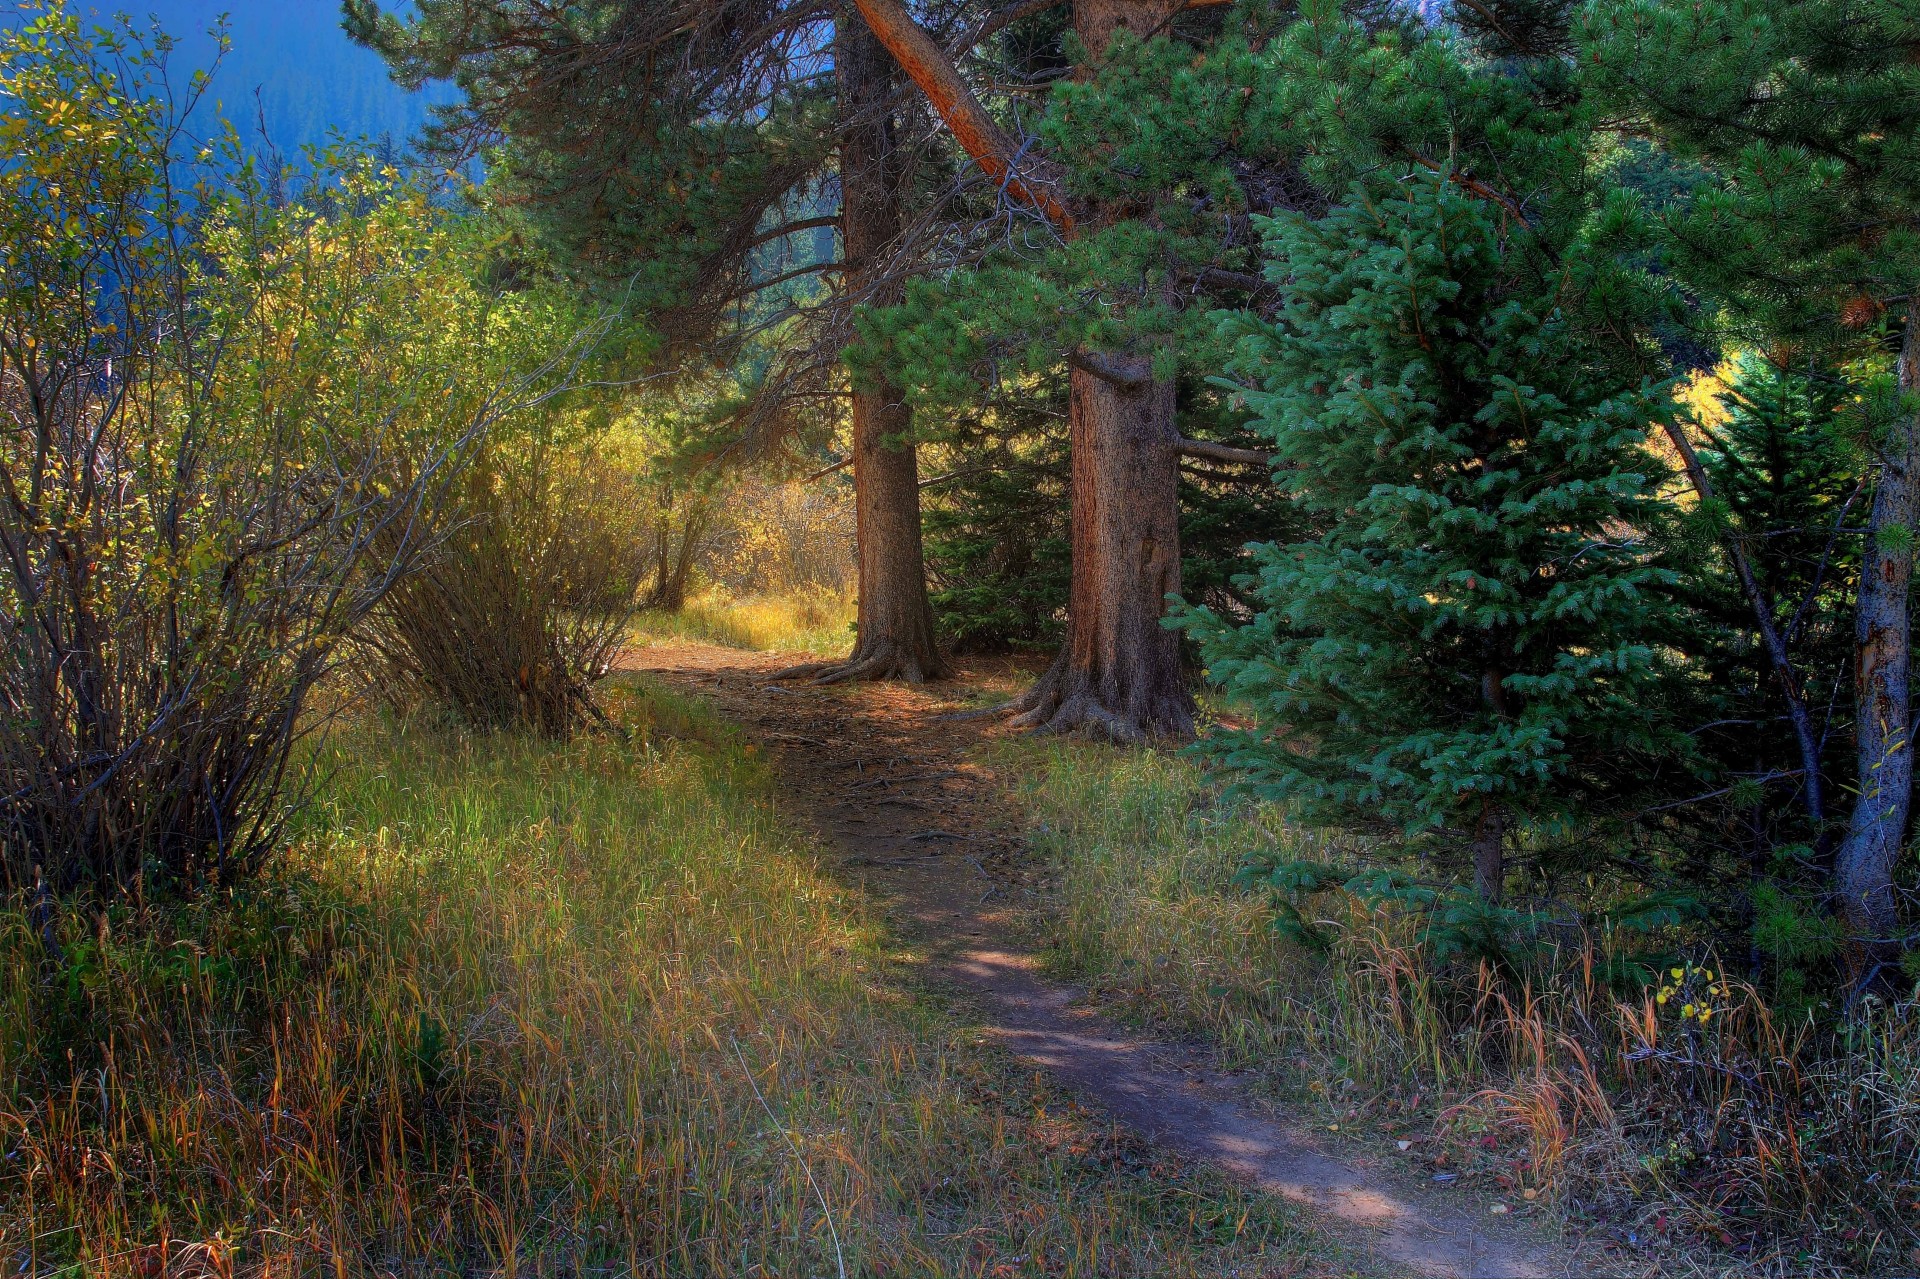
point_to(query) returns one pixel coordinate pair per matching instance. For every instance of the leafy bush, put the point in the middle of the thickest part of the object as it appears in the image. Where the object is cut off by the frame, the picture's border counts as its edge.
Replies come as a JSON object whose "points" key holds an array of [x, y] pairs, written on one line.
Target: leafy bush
{"points": [[536, 570], [222, 416]]}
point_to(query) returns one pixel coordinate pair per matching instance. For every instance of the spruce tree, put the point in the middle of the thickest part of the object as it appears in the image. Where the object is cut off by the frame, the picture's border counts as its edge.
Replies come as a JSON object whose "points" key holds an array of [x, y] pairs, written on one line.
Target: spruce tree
{"points": [[1805, 115], [1784, 472], [1466, 646]]}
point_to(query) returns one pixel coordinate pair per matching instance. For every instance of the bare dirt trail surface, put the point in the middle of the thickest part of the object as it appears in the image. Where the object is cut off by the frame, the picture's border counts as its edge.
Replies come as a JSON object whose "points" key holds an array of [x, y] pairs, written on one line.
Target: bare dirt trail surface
{"points": [[904, 808]]}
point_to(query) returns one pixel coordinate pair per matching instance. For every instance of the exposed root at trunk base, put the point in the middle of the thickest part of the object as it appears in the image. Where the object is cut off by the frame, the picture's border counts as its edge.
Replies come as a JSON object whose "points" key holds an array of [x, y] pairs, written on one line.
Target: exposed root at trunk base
{"points": [[1065, 702], [882, 662]]}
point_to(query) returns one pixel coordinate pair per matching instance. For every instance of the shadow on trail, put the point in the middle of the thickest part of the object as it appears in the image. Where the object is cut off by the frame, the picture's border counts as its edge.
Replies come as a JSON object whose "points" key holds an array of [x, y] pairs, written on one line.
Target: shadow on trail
{"points": [[902, 808]]}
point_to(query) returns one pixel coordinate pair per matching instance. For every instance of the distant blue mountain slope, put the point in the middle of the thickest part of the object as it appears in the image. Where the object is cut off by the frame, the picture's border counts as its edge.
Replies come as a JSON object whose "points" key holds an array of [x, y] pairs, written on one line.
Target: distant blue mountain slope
{"points": [[290, 65]]}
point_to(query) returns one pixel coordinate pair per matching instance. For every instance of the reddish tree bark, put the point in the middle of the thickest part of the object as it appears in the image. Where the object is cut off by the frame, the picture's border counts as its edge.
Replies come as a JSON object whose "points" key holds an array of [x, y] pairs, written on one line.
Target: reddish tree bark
{"points": [[895, 630], [972, 127], [1118, 673]]}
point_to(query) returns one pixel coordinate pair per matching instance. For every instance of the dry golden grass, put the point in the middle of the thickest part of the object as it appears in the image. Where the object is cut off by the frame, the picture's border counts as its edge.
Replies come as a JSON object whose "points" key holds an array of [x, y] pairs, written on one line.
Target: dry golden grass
{"points": [[513, 1007], [1736, 1145], [813, 621]]}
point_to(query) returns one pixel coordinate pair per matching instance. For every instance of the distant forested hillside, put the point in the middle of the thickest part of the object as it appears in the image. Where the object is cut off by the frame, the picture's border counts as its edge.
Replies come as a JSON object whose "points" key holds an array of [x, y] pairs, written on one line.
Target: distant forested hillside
{"points": [[291, 68]]}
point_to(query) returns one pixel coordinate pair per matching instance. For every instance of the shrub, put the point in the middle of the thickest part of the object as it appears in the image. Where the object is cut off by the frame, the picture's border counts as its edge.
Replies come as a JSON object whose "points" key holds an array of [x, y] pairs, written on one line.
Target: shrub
{"points": [[223, 416], [1671, 1103], [527, 595]]}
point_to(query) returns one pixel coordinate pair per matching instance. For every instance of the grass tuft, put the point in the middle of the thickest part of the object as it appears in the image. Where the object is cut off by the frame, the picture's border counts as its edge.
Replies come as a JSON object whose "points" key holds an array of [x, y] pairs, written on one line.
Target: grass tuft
{"points": [[814, 621], [533, 1008]]}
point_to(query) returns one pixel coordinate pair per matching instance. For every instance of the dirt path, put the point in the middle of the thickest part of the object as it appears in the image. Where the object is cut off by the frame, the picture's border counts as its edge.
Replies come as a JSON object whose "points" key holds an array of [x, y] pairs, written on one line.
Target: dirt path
{"points": [[905, 811]]}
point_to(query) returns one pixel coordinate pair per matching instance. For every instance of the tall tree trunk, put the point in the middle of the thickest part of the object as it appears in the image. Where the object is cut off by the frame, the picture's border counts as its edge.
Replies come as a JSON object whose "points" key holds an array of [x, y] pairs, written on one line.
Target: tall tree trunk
{"points": [[894, 632], [895, 638], [1863, 868], [1118, 673]]}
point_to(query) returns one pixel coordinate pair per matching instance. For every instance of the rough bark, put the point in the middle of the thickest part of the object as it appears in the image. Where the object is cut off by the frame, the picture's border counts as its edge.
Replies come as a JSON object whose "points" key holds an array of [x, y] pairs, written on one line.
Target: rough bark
{"points": [[1490, 854], [1863, 868], [1118, 673], [895, 631], [1096, 22]]}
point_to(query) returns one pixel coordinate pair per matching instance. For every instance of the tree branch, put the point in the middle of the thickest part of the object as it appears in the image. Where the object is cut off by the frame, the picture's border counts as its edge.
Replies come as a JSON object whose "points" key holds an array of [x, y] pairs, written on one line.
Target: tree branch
{"points": [[824, 472], [1117, 369], [791, 228], [972, 127], [998, 21], [1223, 453]]}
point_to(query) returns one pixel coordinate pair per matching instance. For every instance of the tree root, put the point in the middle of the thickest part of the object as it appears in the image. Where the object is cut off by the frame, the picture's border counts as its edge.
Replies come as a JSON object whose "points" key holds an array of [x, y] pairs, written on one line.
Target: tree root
{"points": [[888, 663], [1048, 709]]}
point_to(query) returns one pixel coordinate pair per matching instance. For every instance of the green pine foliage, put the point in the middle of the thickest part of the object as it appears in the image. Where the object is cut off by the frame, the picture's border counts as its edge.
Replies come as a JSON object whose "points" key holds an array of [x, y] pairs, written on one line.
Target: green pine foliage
{"points": [[642, 151], [1805, 115], [997, 545], [997, 538], [1479, 623], [1786, 474], [1785, 469], [1170, 131]]}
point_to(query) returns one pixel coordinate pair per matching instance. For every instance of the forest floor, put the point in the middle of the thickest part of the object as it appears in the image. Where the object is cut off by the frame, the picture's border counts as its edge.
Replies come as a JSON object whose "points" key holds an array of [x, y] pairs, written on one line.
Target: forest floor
{"points": [[907, 807]]}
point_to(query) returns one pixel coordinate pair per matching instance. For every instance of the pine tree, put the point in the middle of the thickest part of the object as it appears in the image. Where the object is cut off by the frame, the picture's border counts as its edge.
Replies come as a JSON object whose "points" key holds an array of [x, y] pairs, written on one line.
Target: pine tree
{"points": [[1806, 116], [1775, 453], [1785, 479], [1466, 645], [1144, 168], [684, 158]]}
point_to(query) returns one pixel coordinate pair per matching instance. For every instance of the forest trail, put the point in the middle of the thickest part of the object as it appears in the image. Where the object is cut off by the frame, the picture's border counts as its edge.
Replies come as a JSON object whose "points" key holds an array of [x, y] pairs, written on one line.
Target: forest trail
{"points": [[906, 810]]}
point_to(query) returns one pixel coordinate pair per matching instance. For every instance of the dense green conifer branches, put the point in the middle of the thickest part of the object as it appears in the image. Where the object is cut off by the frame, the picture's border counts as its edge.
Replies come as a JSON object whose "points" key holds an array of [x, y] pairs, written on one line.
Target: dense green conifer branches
{"points": [[1467, 643], [1805, 229]]}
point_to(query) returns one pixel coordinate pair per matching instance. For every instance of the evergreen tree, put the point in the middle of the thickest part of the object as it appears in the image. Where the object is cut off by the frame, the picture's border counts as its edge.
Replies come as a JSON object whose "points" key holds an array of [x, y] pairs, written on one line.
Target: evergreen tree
{"points": [[686, 157], [998, 536], [1806, 113], [1466, 646], [1146, 165], [1785, 477]]}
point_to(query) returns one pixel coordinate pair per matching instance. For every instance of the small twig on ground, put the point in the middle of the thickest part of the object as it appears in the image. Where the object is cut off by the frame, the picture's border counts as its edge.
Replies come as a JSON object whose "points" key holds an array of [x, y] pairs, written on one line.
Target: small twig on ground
{"points": [[797, 737], [908, 777]]}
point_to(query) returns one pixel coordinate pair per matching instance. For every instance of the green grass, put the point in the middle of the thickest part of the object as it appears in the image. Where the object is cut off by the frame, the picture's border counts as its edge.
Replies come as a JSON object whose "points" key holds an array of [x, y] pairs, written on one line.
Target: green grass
{"points": [[813, 621], [523, 1008]]}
